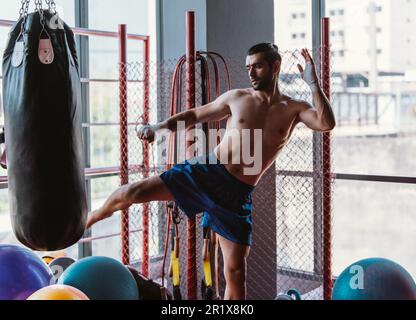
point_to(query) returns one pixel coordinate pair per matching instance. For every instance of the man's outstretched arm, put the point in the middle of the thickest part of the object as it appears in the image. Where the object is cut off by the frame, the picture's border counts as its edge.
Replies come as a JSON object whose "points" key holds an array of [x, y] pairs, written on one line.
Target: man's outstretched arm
{"points": [[215, 110], [320, 118]]}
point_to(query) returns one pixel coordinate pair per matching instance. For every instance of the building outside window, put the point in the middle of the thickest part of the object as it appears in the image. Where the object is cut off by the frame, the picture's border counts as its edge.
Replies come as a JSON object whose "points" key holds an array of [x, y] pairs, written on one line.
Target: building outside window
{"points": [[374, 98]]}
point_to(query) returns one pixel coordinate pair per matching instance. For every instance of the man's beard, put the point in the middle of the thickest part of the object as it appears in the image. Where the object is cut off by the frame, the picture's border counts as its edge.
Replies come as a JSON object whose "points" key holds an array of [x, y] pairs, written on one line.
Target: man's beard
{"points": [[263, 84]]}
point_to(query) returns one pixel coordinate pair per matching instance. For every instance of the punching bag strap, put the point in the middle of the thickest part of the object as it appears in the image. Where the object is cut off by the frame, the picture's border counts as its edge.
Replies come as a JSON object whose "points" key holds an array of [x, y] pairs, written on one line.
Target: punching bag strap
{"points": [[18, 50], [45, 48]]}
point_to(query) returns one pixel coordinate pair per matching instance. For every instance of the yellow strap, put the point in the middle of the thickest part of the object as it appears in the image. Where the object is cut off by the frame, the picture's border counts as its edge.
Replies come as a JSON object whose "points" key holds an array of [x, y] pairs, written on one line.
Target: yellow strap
{"points": [[207, 272], [175, 270]]}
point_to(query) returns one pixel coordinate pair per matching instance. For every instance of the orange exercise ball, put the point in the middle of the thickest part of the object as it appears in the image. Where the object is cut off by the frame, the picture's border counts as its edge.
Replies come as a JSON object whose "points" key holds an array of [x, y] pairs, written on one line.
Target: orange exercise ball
{"points": [[58, 292]]}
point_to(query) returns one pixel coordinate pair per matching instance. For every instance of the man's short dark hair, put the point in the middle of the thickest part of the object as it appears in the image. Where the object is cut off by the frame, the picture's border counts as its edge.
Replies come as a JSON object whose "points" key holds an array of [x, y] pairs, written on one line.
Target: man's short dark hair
{"points": [[270, 51]]}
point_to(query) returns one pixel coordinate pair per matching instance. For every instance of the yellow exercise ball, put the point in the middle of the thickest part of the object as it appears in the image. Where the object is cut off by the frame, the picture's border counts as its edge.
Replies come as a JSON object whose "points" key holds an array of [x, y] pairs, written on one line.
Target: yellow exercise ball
{"points": [[48, 256], [47, 259], [58, 292]]}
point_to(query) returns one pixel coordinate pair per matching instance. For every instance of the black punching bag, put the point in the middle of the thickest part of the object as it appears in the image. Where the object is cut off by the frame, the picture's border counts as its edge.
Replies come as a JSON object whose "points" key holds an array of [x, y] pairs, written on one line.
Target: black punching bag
{"points": [[42, 111]]}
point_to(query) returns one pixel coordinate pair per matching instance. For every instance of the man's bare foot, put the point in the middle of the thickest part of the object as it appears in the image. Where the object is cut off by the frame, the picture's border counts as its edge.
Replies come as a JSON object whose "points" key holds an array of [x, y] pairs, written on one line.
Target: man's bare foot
{"points": [[96, 216]]}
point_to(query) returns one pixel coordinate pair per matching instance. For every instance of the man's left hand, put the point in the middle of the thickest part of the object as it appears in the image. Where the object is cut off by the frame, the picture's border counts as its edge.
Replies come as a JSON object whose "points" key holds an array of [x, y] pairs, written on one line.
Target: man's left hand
{"points": [[309, 73]]}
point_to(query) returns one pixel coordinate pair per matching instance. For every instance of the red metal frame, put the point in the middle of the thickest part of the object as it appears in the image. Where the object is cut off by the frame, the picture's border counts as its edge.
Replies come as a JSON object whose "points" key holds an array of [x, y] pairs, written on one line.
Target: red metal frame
{"points": [[190, 104], [124, 161], [326, 165], [146, 162]]}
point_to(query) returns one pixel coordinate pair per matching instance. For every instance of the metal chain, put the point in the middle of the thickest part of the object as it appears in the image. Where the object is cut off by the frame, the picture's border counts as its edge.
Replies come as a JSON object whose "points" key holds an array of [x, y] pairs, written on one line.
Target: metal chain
{"points": [[38, 4], [39, 8], [52, 6], [23, 13], [23, 7]]}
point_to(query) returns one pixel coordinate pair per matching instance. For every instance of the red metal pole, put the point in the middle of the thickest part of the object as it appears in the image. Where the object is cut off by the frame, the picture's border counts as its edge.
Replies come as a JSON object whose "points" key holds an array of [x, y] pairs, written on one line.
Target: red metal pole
{"points": [[190, 104], [326, 165], [146, 162], [124, 178]]}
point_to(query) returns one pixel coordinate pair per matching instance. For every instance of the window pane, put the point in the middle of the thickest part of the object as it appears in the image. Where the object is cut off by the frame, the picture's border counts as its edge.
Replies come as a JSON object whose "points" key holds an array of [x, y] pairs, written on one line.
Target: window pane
{"points": [[107, 14], [72, 251], [293, 24], [104, 56], [374, 89], [105, 146], [100, 189], [6, 233], [109, 247], [104, 100], [105, 150], [373, 219], [388, 154], [9, 10]]}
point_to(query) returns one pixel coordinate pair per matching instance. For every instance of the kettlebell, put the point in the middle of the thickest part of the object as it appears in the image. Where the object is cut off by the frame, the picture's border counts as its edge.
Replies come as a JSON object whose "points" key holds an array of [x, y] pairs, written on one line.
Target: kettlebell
{"points": [[291, 294]]}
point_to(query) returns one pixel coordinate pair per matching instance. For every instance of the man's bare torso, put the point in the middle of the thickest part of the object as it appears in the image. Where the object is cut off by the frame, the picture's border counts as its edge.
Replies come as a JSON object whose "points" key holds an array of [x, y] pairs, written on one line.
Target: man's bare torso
{"points": [[276, 121]]}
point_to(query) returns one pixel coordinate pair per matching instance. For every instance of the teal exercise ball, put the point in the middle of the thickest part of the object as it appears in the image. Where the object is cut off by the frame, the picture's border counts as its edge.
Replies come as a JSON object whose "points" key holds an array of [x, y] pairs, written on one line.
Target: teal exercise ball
{"points": [[101, 278], [374, 279]]}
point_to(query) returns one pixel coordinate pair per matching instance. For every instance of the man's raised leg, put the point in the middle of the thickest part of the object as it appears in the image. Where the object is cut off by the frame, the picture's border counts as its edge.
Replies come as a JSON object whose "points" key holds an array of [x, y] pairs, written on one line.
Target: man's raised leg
{"points": [[146, 190]]}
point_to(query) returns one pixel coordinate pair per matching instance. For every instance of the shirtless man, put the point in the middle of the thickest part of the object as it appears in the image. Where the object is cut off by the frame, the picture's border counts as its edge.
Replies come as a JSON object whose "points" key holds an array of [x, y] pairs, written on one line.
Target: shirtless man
{"points": [[223, 190]]}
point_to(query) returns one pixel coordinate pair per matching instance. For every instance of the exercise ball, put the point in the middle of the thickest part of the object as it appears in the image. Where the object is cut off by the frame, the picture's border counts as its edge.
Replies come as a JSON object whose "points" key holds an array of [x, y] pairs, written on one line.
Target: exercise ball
{"points": [[47, 259], [101, 278], [48, 256], [22, 272], [58, 292], [59, 265], [374, 279]]}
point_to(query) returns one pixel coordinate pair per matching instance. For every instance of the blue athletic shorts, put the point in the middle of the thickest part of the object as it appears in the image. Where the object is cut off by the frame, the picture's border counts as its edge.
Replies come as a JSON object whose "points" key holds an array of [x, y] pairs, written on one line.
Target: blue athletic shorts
{"points": [[203, 184]]}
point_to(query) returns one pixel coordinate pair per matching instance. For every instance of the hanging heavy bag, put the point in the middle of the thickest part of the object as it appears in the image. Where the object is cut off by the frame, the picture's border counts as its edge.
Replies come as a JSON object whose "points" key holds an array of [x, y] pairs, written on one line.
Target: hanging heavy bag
{"points": [[42, 111]]}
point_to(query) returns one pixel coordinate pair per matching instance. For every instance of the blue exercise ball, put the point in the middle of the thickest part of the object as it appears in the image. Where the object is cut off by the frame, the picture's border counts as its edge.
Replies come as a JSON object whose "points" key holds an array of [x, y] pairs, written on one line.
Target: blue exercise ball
{"points": [[22, 272], [374, 279], [101, 278]]}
